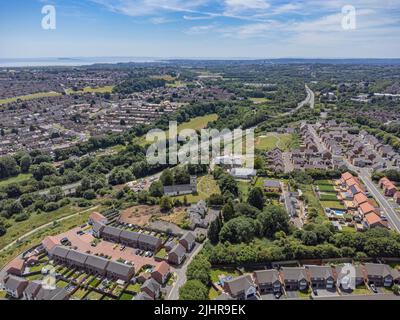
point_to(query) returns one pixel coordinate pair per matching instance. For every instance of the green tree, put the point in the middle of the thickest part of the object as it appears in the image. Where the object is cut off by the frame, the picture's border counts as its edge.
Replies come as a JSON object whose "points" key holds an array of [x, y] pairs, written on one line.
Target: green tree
{"points": [[199, 269], [228, 211], [156, 189], [256, 198], [25, 163], [165, 204], [193, 290], [237, 230]]}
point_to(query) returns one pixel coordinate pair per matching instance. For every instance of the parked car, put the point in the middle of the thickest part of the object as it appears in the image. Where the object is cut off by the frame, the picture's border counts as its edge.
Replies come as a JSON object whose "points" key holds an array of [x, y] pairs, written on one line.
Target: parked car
{"points": [[278, 295], [373, 288], [137, 252]]}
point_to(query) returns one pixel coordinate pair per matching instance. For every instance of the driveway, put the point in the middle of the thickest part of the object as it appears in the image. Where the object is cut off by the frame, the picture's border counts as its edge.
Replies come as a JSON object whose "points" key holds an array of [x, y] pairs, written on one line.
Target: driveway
{"points": [[292, 294], [267, 296], [325, 293]]}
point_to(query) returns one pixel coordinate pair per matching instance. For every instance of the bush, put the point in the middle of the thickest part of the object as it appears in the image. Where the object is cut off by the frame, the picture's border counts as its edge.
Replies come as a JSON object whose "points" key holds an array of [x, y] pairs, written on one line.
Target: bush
{"points": [[22, 217], [52, 206]]}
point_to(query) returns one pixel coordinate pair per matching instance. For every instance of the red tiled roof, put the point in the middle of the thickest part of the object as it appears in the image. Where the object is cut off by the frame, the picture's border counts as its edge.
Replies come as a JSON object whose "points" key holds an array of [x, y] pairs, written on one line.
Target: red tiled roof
{"points": [[17, 264], [347, 176], [360, 198], [366, 208], [372, 218], [96, 216], [162, 268], [49, 243]]}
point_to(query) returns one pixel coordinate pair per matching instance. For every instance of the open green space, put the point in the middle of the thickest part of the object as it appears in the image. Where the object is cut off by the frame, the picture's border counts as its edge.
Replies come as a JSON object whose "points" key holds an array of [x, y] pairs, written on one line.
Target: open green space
{"points": [[259, 100], [133, 287], [126, 296], [326, 188], [30, 97], [284, 142], [197, 123], [20, 178], [105, 89]]}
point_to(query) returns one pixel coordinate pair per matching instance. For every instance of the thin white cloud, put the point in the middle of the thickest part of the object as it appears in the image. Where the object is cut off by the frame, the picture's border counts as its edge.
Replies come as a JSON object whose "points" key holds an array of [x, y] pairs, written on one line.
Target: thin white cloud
{"points": [[196, 30]]}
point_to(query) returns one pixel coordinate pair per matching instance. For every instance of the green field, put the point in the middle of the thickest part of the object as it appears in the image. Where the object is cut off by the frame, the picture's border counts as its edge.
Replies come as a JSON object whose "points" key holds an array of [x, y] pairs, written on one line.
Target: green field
{"points": [[206, 186], [105, 89], [197, 123], [30, 97], [20, 178], [259, 100], [282, 141]]}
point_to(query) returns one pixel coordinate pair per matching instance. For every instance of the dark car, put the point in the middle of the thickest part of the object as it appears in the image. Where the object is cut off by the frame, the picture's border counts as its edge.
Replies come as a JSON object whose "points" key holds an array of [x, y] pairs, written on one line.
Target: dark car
{"points": [[373, 288], [278, 295]]}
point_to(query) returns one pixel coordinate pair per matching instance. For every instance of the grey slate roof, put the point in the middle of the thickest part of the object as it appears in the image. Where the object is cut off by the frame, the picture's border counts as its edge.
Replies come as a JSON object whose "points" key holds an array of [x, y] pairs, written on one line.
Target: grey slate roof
{"points": [[77, 256], [112, 231], [189, 237], [96, 262], [98, 227], [239, 284], [320, 272], [33, 288], [266, 276], [56, 294], [294, 273], [60, 251], [151, 284], [377, 269], [148, 239], [179, 250], [129, 235], [119, 268], [272, 183], [15, 283]]}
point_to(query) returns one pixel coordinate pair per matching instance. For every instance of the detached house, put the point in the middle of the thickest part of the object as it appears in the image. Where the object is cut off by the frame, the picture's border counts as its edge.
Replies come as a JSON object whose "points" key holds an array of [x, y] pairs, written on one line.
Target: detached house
{"points": [[267, 281], [161, 272], [188, 240], [294, 278], [152, 288], [321, 277], [177, 254], [15, 286], [396, 197], [241, 288], [379, 274]]}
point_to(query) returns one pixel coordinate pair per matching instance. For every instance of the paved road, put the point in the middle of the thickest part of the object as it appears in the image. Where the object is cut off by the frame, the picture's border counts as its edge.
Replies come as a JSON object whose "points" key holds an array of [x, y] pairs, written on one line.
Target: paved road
{"points": [[309, 100], [181, 275], [391, 214]]}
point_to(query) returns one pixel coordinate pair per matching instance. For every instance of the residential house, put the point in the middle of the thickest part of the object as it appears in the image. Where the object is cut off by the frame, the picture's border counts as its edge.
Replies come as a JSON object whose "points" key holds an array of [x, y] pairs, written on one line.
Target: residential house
{"points": [[267, 281], [32, 290], [97, 217], [56, 294], [372, 220], [294, 278], [379, 274], [272, 186], [241, 288], [59, 254], [152, 288], [161, 272], [359, 199], [111, 234], [49, 243], [118, 270], [15, 286], [96, 265], [76, 259], [366, 208], [188, 240], [143, 296], [349, 276], [177, 254], [16, 267], [321, 277]]}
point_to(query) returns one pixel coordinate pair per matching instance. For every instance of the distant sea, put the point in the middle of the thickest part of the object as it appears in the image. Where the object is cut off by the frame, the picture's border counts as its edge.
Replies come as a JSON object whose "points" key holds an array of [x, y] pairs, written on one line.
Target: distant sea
{"points": [[84, 61], [43, 62]]}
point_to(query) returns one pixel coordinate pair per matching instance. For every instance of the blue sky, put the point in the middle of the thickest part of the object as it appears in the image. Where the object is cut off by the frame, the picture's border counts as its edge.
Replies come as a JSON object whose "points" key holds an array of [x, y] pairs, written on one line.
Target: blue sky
{"points": [[200, 28]]}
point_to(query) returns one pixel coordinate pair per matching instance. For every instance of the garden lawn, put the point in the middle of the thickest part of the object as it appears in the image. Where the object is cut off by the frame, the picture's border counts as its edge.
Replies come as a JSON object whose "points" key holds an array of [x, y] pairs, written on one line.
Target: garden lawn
{"points": [[361, 290], [333, 205], [133, 287], [244, 188], [61, 284], [226, 272], [326, 188], [206, 186], [161, 254], [212, 294], [126, 296], [93, 295]]}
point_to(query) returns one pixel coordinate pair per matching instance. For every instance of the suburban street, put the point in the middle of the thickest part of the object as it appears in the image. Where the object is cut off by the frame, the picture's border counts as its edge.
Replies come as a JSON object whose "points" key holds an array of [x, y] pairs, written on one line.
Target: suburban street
{"points": [[181, 275], [365, 176]]}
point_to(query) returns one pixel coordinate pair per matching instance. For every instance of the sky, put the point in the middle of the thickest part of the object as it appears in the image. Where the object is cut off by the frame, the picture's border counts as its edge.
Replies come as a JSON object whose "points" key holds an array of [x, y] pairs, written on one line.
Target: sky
{"points": [[202, 29]]}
